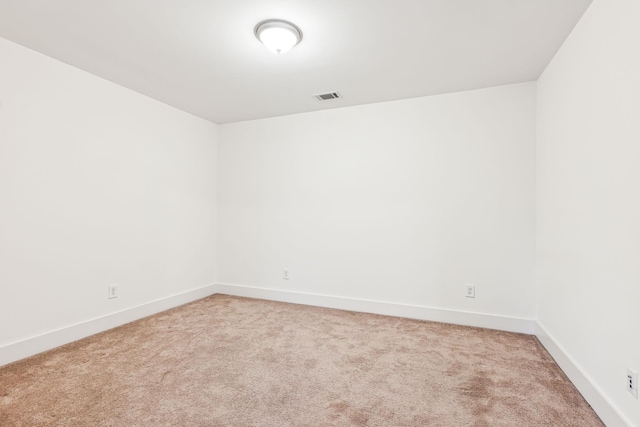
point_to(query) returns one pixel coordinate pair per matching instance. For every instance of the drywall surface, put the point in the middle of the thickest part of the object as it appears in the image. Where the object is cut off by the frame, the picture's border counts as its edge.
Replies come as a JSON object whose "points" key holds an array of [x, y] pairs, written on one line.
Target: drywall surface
{"points": [[401, 202], [98, 185], [588, 178]]}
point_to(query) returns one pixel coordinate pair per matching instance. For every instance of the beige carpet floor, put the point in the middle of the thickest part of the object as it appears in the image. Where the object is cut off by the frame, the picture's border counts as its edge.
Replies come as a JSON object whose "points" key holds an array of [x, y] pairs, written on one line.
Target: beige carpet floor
{"points": [[228, 361]]}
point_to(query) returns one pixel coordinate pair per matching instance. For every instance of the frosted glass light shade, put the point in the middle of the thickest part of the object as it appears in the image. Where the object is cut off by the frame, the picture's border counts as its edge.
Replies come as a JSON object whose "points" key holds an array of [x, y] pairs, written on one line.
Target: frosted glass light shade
{"points": [[277, 35]]}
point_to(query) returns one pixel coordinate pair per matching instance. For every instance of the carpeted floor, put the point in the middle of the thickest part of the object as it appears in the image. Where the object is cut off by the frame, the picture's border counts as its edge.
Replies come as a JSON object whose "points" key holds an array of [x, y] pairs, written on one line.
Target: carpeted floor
{"points": [[228, 361]]}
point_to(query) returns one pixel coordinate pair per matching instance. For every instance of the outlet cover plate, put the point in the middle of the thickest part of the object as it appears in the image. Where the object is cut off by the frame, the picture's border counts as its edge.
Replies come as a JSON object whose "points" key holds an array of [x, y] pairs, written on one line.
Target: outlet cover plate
{"points": [[470, 291], [113, 291], [632, 382]]}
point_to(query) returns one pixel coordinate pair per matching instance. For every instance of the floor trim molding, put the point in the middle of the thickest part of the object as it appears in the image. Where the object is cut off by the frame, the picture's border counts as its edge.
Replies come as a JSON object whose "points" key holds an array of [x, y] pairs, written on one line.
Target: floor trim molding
{"points": [[47, 341], [605, 409], [490, 321]]}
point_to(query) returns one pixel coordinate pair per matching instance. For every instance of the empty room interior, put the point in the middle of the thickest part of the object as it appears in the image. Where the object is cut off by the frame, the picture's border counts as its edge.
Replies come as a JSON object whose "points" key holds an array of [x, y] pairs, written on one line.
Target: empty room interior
{"points": [[331, 213]]}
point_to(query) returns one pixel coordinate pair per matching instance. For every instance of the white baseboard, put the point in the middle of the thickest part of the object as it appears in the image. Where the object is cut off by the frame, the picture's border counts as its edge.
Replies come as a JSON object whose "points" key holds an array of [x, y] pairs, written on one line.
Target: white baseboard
{"points": [[605, 409], [31, 346], [490, 321]]}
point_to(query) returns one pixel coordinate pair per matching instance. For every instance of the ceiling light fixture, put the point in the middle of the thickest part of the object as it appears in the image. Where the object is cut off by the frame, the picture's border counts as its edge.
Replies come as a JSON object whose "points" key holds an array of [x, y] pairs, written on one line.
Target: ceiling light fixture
{"points": [[277, 35]]}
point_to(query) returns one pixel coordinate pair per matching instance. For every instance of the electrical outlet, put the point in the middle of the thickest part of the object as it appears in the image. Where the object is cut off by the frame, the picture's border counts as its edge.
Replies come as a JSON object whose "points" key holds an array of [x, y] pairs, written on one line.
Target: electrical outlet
{"points": [[285, 274], [632, 382], [113, 291], [470, 291]]}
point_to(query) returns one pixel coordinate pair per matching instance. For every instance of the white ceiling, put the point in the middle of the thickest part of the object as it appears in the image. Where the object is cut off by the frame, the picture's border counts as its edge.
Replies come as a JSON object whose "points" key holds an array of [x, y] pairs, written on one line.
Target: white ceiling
{"points": [[201, 55]]}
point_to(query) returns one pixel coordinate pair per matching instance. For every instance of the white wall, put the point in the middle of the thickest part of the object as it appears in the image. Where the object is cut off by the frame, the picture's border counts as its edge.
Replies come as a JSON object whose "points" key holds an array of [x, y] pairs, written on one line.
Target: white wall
{"points": [[588, 180], [401, 202], [98, 185]]}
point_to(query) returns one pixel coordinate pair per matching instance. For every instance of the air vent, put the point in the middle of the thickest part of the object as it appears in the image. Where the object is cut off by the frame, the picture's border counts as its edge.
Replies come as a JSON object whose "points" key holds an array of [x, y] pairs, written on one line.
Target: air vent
{"points": [[327, 96]]}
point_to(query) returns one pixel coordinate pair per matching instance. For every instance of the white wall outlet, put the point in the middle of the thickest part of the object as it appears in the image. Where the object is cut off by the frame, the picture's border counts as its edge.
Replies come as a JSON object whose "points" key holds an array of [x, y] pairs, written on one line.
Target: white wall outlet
{"points": [[285, 274], [113, 291], [632, 382], [470, 291]]}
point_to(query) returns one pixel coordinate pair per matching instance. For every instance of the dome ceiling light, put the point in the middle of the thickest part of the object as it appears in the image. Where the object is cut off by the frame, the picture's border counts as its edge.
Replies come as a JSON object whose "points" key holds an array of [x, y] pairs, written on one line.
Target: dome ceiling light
{"points": [[277, 35]]}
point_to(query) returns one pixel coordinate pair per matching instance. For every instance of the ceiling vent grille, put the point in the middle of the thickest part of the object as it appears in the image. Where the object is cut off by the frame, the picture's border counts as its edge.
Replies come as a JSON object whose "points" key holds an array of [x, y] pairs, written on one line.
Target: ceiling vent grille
{"points": [[327, 96]]}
